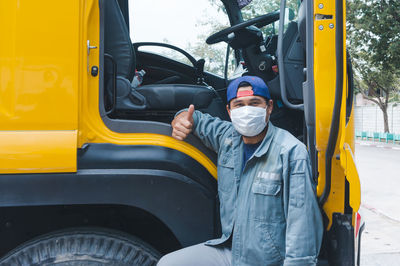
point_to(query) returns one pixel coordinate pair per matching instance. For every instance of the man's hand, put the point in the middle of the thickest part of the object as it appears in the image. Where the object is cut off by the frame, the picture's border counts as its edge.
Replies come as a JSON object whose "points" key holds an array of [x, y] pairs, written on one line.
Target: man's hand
{"points": [[182, 124]]}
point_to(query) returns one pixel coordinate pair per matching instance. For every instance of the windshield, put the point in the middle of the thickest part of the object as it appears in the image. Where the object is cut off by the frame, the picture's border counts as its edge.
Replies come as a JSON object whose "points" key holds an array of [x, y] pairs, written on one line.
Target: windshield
{"points": [[260, 7], [182, 23]]}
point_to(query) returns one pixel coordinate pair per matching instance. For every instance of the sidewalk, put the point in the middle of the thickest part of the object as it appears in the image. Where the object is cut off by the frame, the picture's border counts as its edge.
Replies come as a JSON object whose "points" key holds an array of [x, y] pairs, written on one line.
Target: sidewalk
{"points": [[378, 144], [378, 166]]}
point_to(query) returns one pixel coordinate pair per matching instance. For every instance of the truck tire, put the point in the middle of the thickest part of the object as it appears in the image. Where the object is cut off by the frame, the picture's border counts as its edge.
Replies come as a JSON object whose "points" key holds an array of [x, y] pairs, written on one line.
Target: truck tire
{"points": [[89, 247]]}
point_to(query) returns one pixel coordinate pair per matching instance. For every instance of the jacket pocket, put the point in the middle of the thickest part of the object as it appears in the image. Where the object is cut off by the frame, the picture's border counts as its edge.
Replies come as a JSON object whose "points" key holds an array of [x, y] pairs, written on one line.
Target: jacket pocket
{"points": [[267, 204], [261, 247], [226, 176], [272, 243], [266, 189]]}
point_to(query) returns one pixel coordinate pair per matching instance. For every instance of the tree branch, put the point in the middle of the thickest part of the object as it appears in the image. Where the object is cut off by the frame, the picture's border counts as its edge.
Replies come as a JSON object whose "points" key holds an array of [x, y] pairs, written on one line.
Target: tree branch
{"points": [[370, 99], [378, 97], [380, 86]]}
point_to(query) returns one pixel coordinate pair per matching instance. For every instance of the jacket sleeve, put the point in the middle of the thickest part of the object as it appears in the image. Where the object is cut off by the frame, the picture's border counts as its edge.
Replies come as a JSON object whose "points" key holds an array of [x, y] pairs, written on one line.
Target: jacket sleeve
{"points": [[304, 227], [211, 130]]}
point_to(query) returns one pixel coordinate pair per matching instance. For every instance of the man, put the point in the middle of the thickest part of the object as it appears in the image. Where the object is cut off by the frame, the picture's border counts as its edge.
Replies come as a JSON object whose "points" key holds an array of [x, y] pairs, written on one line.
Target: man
{"points": [[269, 212]]}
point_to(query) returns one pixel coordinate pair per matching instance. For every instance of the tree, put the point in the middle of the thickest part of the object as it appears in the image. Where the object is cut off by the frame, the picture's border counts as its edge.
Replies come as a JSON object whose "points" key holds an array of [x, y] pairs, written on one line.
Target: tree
{"points": [[373, 28], [213, 54]]}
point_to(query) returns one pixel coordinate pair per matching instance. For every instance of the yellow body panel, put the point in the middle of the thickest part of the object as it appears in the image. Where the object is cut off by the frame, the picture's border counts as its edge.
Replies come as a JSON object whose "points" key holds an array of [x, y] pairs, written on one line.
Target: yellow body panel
{"points": [[348, 164], [39, 55], [343, 166], [38, 151], [346, 140]]}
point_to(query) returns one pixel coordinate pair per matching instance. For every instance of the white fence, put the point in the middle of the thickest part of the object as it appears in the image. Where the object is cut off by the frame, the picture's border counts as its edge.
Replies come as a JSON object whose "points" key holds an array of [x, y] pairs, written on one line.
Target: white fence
{"points": [[370, 118]]}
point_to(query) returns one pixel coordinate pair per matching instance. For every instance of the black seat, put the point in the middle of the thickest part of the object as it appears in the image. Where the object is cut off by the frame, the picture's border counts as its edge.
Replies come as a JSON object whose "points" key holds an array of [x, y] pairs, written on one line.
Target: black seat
{"points": [[301, 21], [117, 42], [149, 99], [166, 99]]}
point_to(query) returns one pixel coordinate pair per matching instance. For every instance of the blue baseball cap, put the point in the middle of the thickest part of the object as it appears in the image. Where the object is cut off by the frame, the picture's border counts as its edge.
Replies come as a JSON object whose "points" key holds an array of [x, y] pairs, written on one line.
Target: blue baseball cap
{"points": [[258, 86]]}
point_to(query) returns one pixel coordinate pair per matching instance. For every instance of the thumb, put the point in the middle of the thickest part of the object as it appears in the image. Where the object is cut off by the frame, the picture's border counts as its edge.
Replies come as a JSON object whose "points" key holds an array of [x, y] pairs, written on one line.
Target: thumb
{"points": [[190, 112]]}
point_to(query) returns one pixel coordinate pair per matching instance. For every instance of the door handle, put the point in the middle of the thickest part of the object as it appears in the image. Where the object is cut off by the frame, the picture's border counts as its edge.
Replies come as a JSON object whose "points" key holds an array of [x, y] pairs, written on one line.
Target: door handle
{"points": [[89, 47]]}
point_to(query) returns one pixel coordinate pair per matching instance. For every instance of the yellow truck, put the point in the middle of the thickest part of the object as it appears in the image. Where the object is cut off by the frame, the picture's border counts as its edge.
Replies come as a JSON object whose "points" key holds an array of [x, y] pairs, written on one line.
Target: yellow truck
{"points": [[89, 173]]}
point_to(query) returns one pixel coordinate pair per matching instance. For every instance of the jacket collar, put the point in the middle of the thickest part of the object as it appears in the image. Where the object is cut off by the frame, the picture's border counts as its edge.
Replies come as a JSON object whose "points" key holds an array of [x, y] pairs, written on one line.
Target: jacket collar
{"points": [[261, 150], [266, 142]]}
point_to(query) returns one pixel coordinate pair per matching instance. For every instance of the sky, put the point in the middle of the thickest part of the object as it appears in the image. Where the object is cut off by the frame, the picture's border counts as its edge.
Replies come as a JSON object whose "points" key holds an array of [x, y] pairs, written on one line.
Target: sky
{"points": [[174, 20]]}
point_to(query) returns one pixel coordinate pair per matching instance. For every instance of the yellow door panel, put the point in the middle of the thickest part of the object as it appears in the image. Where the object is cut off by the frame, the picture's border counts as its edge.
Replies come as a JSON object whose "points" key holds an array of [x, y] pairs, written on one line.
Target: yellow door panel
{"points": [[39, 56], [38, 151], [39, 82], [325, 83]]}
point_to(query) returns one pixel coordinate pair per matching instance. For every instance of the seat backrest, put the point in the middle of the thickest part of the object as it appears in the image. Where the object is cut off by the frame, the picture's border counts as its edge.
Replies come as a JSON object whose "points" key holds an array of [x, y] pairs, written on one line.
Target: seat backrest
{"points": [[301, 22], [174, 97], [117, 41]]}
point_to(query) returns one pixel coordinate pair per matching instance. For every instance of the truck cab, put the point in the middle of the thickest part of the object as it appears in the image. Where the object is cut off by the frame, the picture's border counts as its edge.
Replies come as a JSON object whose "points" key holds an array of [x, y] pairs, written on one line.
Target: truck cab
{"points": [[86, 154]]}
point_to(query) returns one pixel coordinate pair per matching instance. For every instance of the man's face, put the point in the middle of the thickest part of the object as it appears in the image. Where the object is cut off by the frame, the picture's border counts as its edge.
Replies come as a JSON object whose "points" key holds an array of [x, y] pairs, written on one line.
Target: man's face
{"points": [[253, 100]]}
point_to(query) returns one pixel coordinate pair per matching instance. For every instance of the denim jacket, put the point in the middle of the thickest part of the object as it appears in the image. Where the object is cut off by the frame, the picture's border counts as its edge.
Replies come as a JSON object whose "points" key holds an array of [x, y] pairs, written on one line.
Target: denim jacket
{"points": [[270, 205]]}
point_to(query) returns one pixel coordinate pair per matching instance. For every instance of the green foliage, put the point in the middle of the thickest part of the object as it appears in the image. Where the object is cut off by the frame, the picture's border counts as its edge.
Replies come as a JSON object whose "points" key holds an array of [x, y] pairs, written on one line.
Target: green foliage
{"points": [[374, 42], [260, 7], [373, 29], [214, 55]]}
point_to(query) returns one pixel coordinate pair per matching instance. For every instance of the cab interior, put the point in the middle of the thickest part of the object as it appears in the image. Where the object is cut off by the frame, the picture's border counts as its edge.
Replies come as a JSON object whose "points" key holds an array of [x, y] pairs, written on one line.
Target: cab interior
{"points": [[169, 85]]}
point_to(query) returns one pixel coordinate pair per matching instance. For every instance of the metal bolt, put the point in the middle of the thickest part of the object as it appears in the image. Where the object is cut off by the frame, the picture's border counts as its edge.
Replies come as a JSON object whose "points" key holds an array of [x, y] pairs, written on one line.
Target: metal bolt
{"points": [[320, 27], [321, 6], [331, 25]]}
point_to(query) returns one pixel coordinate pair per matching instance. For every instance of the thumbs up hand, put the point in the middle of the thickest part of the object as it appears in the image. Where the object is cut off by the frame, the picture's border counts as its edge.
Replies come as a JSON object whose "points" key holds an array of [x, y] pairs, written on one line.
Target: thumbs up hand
{"points": [[182, 124]]}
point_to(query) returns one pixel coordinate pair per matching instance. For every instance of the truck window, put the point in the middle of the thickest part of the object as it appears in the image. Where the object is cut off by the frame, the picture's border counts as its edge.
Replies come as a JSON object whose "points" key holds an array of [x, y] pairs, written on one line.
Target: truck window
{"points": [[182, 23], [259, 7]]}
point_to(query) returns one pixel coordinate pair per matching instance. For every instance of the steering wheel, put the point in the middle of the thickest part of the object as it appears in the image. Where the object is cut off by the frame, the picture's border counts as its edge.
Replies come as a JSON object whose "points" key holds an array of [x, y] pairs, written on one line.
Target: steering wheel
{"points": [[259, 22]]}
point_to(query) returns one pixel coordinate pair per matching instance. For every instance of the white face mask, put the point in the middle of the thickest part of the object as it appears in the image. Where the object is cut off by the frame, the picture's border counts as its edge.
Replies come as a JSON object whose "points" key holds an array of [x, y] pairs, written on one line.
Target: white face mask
{"points": [[249, 121]]}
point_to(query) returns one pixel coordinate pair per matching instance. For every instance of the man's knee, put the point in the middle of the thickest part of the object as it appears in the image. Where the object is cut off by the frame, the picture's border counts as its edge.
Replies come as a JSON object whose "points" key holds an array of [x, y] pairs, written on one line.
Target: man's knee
{"points": [[181, 257], [171, 259], [164, 261], [200, 255]]}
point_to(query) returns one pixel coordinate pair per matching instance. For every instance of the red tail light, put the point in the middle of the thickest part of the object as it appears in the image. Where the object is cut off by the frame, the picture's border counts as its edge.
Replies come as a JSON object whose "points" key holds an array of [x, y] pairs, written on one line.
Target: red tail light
{"points": [[358, 222]]}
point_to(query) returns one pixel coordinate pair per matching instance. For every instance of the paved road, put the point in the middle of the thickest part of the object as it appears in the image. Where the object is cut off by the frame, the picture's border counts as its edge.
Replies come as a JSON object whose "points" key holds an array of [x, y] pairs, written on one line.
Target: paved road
{"points": [[379, 170]]}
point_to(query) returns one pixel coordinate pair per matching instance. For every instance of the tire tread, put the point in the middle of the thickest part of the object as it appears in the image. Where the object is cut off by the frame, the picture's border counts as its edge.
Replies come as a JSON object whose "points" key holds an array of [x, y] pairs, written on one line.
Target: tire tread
{"points": [[112, 247]]}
